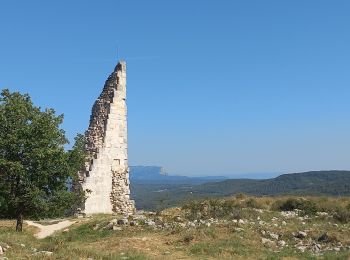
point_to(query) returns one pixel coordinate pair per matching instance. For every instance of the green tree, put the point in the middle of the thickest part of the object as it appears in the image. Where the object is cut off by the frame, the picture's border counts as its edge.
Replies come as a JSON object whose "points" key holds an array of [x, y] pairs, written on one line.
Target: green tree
{"points": [[34, 166]]}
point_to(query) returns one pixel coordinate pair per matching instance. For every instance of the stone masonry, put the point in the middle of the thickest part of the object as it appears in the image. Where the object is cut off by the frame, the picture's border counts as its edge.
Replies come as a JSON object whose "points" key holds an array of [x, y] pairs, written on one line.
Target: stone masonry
{"points": [[105, 178]]}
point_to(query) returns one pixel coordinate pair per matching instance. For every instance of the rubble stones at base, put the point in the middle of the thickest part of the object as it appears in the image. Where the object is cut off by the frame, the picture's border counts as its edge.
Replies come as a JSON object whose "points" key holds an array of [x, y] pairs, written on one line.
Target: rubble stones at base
{"points": [[301, 234], [184, 225], [271, 237], [114, 221], [123, 221], [191, 224], [138, 217], [241, 221], [116, 228], [281, 243], [178, 219], [324, 238], [289, 214], [316, 248], [268, 242], [133, 223], [274, 236], [301, 248], [322, 214], [46, 253], [3, 247], [150, 223], [96, 227]]}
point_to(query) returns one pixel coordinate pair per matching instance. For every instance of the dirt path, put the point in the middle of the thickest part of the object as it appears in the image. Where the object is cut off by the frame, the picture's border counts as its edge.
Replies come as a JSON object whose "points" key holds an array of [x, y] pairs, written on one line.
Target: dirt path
{"points": [[48, 230]]}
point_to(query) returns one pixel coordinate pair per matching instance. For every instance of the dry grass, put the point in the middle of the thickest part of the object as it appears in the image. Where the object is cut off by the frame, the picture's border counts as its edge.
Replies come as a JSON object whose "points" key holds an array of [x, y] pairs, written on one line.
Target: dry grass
{"points": [[223, 240]]}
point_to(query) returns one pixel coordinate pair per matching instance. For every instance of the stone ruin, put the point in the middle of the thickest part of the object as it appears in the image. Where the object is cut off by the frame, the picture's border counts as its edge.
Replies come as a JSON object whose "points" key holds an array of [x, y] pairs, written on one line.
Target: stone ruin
{"points": [[105, 178]]}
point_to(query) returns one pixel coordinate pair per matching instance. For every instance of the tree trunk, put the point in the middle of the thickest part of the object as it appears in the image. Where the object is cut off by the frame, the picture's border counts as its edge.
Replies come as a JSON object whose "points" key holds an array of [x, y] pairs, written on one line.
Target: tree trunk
{"points": [[19, 223]]}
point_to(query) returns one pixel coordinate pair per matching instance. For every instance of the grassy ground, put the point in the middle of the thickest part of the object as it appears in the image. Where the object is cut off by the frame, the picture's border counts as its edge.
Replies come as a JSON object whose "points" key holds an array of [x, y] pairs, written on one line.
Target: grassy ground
{"points": [[232, 228]]}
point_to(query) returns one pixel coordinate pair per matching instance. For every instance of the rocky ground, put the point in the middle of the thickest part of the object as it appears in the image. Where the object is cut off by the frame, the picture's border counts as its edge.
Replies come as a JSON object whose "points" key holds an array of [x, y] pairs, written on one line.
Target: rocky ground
{"points": [[235, 228]]}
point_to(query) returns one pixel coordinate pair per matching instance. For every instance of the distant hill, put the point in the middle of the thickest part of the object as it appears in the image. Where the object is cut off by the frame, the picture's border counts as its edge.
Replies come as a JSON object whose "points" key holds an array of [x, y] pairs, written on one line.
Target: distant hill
{"points": [[156, 175], [151, 186], [153, 195], [311, 183]]}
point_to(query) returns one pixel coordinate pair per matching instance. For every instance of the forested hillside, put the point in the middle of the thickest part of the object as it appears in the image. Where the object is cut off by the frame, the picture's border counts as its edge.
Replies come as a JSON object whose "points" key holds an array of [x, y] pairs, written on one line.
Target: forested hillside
{"points": [[155, 196]]}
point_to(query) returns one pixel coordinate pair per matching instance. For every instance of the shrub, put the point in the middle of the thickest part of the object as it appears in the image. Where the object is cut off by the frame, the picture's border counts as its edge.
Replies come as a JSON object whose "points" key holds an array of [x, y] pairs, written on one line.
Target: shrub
{"points": [[342, 215], [211, 208], [240, 196], [326, 204], [188, 238], [236, 214], [306, 206], [253, 203]]}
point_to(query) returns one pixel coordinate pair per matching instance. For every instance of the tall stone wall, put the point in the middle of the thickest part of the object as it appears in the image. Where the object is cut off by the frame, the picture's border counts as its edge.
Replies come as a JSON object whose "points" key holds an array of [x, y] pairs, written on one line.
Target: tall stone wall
{"points": [[106, 176]]}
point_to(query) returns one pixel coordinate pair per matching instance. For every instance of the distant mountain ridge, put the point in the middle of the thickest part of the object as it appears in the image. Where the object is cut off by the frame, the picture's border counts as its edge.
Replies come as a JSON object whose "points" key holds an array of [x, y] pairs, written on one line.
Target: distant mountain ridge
{"points": [[152, 193], [311, 183], [157, 175]]}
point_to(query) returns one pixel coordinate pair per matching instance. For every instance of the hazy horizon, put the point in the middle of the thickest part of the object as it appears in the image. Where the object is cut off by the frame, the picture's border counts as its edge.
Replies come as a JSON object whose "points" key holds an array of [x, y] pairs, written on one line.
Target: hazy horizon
{"points": [[214, 88]]}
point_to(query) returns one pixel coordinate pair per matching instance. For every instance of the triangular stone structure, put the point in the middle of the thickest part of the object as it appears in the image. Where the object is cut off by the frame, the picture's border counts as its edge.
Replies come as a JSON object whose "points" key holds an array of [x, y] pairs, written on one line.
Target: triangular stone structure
{"points": [[105, 178]]}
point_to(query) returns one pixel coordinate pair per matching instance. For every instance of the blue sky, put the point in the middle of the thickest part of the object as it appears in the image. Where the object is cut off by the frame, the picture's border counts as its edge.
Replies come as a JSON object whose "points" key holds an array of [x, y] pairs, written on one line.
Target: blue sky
{"points": [[214, 87]]}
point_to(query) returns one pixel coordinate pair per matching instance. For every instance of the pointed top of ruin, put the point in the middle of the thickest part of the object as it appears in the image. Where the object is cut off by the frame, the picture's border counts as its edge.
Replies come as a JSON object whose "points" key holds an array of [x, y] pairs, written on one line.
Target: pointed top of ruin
{"points": [[120, 66]]}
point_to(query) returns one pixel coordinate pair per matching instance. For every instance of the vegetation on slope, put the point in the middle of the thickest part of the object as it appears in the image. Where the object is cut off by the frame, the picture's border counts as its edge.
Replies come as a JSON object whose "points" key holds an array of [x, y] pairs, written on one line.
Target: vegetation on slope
{"points": [[239, 227], [155, 196]]}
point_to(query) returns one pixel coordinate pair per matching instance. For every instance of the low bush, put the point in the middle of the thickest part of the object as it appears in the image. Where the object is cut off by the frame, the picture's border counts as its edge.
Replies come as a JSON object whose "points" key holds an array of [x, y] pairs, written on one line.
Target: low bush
{"points": [[326, 204], [253, 203], [308, 207], [187, 238], [240, 196], [342, 215], [212, 208]]}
